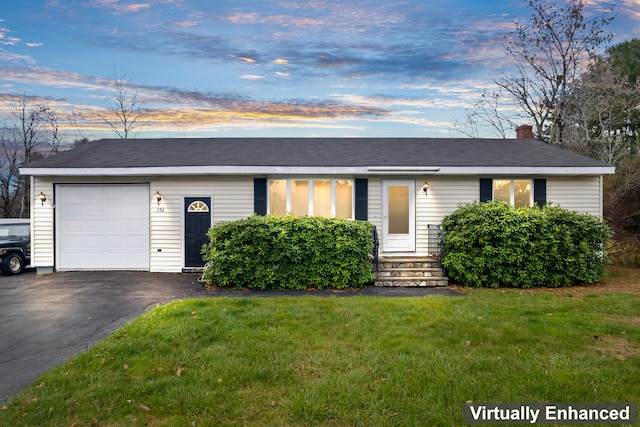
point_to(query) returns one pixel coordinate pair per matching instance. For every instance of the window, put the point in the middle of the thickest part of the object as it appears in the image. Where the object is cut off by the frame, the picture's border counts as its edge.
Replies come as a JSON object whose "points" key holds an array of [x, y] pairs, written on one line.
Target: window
{"points": [[299, 197], [198, 206], [278, 197], [311, 197], [516, 192]]}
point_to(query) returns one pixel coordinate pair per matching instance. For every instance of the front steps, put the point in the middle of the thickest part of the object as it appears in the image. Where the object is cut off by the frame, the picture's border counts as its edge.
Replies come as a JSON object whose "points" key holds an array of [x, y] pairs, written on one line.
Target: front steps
{"points": [[410, 272]]}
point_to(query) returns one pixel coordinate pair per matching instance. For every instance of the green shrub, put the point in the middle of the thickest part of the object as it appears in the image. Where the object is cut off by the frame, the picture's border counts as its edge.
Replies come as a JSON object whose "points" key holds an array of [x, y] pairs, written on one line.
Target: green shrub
{"points": [[494, 244], [272, 252]]}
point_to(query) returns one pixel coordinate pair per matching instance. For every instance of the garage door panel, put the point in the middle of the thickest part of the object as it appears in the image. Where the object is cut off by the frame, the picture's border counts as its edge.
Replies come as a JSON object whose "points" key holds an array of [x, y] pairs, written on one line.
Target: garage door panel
{"points": [[102, 227]]}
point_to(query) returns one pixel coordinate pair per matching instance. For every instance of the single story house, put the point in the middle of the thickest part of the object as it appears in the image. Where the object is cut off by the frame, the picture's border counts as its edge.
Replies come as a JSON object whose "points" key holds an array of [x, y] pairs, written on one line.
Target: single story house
{"points": [[145, 204]]}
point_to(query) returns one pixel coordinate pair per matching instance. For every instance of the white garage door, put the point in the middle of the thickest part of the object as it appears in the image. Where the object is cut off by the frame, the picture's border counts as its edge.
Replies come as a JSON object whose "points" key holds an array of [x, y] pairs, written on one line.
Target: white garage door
{"points": [[102, 227]]}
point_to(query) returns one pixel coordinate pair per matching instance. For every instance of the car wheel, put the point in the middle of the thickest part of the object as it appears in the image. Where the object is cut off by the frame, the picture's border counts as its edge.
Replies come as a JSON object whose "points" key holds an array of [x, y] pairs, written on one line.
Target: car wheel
{"points": [[12, 264]]}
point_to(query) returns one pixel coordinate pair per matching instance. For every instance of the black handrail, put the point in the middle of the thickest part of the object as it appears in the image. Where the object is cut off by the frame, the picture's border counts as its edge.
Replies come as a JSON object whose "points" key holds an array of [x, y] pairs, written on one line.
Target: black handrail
{"points": [[437, 244], [374, 250]]}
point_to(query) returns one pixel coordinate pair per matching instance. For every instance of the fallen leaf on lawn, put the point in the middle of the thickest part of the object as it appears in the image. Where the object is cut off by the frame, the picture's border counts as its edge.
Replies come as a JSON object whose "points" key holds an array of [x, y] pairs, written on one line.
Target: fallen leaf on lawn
{"points": [[159, 369], [130, 401], [70, 362], [193, 313], [179, 371], [519, 351], [467, 343], [273, 403], [144, 408], [621, 357], [102, 361], [125, 366], [219, 380]]}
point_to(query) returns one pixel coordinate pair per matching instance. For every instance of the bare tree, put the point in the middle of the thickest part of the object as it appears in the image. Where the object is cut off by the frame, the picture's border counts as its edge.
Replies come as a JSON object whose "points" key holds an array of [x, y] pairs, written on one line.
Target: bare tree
{"points": [[603, 113], [549, 53], [123, 108], [22, 135], [488, 116]]}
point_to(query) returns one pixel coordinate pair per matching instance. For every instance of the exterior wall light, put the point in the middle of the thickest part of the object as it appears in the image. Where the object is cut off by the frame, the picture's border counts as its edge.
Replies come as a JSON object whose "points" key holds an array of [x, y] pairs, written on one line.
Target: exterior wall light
{"points": [[425, 187], [158, 197], [42, 198]]}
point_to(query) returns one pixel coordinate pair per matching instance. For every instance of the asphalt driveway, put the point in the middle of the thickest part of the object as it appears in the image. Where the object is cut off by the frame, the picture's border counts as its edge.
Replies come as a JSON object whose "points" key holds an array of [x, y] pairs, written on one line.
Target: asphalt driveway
{"points": [[47, 320]]}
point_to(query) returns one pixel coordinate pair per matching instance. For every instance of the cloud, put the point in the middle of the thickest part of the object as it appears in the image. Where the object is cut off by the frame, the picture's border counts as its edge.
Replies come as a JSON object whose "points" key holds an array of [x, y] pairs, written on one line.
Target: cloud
{"points": [[279, 20], [48, 77], [387, 102], [5, 39], [34, 44], [119, 7], [251, 77], [15, 58], [185, 24], [170, 108]]}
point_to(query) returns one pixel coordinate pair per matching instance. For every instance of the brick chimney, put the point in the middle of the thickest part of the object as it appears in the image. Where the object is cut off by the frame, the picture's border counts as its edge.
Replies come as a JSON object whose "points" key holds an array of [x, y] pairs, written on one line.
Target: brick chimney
{"points": [[524, 132]]}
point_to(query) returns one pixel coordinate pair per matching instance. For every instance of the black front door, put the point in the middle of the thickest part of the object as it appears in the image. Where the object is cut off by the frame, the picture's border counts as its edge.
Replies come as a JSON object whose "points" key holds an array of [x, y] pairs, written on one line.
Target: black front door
{"points": [[197, 220]]}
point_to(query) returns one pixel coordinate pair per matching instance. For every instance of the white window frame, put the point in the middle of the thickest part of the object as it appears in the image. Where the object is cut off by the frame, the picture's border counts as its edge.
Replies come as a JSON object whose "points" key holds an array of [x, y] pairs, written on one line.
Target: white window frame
{"points": [[310, 180], [512, 189]]}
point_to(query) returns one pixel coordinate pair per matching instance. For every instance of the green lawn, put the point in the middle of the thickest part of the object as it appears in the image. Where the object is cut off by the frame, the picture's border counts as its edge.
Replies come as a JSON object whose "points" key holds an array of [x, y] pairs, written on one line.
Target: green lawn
{"points": [[344, 361]]}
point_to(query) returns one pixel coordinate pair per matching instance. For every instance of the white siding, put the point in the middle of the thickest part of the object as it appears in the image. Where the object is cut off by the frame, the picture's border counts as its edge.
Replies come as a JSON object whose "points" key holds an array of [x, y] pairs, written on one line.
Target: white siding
{"points": [[443, 197], [231, 198], [581, 194], [446, 193], [374, 201], [42, 225]]}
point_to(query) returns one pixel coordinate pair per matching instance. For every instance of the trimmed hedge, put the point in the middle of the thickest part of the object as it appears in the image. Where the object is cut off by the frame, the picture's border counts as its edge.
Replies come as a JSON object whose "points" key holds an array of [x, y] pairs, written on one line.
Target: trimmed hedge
{"points": [[493, 244], [273, 252]]}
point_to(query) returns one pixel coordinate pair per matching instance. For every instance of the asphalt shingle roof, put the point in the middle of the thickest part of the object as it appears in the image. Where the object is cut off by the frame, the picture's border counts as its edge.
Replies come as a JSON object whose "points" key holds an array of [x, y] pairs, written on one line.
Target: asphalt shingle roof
{"points": [[315, 152]]}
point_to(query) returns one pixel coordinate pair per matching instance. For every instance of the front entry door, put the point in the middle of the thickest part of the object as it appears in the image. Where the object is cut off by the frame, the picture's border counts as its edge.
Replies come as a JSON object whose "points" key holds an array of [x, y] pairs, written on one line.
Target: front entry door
{"points": [[399, 220], [197, 220]]}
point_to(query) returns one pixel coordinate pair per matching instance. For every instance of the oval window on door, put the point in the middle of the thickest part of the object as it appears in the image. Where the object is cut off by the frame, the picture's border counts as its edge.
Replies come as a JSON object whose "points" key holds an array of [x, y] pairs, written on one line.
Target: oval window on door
{"points": [[198, 206]]}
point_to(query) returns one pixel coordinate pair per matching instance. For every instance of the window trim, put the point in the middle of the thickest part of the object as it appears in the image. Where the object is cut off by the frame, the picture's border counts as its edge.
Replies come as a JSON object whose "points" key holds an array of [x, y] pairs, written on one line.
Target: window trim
{"points": [[310, 180]]}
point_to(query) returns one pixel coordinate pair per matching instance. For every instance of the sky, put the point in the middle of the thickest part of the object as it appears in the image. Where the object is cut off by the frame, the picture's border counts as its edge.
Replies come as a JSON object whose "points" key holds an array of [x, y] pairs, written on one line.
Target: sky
{"points": [[265, 68]]}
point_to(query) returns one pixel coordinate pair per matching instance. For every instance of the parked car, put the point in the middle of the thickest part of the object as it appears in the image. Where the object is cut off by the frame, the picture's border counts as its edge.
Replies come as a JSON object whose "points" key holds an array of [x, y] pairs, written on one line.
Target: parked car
{"points": [[15, 245]]}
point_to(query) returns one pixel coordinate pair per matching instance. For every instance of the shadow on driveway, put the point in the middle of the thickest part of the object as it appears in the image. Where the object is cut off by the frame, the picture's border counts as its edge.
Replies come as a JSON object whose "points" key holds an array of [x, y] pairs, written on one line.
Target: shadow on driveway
{"points": [[47, 320]]}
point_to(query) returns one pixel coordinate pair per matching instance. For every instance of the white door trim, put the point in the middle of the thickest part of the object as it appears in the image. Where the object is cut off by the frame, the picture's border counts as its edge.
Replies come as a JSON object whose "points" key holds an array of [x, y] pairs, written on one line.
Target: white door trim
{"points": [[399, 242]]}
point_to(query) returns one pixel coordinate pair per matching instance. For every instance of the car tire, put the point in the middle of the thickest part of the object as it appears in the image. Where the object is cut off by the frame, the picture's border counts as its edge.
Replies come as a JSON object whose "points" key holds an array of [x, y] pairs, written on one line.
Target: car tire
{"points": [[12, 264]]}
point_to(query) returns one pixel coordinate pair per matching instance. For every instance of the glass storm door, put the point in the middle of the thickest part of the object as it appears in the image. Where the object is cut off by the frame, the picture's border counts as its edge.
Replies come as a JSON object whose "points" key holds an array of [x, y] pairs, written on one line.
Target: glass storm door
{"points": [[399, 206]]}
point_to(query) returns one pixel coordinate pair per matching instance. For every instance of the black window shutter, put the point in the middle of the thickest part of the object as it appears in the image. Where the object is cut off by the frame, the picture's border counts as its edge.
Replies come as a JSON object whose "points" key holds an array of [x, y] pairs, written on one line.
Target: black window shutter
{"points": [[260, 196], [362, 199], [486, 189], [540, 191]]}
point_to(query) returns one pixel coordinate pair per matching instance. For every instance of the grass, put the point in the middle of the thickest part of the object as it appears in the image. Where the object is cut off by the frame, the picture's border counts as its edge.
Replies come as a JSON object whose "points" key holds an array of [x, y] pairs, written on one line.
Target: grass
{"points": [[344, 361]]}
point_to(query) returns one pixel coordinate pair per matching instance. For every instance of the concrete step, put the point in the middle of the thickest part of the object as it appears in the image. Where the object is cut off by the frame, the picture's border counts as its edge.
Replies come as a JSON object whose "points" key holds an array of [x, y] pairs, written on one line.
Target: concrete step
{"points": [[410, 272], [412, 281], [408, 263], [405, 271]]}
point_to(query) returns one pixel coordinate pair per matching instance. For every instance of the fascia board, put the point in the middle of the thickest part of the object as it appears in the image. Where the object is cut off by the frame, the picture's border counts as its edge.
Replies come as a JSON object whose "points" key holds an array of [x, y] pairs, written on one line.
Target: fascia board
{"points": [[300, 170]]}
